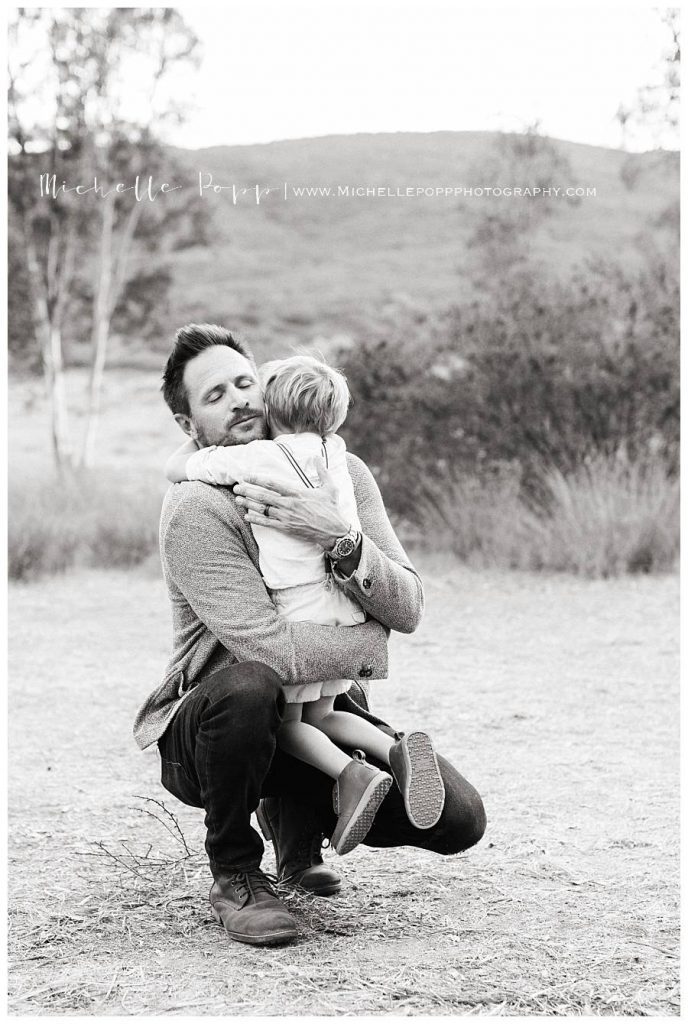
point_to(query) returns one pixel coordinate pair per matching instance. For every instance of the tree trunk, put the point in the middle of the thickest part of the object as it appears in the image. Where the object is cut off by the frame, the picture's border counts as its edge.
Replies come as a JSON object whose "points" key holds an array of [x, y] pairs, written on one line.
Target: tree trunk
{"points": [[100, 332], [58, 401], [50, 337]]}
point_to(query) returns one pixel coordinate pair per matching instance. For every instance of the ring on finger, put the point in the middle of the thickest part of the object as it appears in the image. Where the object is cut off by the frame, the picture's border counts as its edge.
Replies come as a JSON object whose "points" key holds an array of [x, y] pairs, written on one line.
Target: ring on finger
{"points": [[266, 510]]}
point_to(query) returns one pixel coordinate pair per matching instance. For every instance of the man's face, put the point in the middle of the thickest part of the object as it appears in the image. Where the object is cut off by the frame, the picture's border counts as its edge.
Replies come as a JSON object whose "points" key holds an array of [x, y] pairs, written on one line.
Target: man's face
{"points": [[225, 399]]}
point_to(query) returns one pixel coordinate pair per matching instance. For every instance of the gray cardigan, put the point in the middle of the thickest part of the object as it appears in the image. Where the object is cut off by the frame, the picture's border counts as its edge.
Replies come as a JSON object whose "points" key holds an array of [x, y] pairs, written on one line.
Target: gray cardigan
{"points": [[222, 613]]}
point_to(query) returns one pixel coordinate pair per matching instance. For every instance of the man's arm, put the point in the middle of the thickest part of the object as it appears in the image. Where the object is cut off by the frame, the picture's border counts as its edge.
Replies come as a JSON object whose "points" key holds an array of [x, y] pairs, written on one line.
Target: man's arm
{"points": [[384, 582], [206, 557]]}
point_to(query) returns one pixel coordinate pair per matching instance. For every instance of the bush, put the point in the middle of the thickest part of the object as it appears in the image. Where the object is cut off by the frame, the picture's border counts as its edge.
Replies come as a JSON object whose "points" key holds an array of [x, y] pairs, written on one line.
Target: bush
{"points": [[481, 521], [609, 517], [82, 519], [542, 376]]}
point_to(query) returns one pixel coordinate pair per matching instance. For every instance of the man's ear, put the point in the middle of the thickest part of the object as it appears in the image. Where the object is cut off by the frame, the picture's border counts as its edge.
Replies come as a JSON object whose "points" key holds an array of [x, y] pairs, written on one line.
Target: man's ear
{"points": [[187, 424]]}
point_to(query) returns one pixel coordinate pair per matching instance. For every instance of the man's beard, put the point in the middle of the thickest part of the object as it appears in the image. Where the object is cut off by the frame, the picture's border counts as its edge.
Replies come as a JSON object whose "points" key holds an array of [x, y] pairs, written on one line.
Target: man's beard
{"points": [[230, 439]]}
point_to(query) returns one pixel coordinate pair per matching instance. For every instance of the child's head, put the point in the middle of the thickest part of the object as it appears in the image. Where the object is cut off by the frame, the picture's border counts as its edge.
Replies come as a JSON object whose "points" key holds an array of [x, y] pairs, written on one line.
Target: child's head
{"points": [[302, 393]]}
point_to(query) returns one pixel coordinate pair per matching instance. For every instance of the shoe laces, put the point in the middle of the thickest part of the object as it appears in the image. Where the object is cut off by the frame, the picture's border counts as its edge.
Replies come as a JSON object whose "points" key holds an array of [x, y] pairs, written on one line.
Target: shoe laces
{"points": [[254, 881]]}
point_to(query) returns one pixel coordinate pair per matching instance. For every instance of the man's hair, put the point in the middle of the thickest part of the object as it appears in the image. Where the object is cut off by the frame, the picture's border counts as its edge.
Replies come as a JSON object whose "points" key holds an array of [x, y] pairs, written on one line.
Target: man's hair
{"points": [[189, 341], [304, 393]]}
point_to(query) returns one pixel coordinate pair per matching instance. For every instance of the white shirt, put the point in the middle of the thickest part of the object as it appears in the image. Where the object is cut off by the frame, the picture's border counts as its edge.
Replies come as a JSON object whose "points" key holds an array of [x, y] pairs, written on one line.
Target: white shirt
{"points": [[285, 560]]}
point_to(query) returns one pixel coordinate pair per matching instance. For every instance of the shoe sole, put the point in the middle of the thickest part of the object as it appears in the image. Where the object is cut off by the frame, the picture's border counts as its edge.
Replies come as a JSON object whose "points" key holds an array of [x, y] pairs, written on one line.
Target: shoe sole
{"points": [[359, 824], [424, 793], [271, 939]]}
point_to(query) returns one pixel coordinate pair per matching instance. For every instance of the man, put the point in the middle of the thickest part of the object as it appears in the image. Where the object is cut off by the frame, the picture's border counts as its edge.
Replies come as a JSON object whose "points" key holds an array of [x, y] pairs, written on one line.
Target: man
{"points": [[216, 714]]}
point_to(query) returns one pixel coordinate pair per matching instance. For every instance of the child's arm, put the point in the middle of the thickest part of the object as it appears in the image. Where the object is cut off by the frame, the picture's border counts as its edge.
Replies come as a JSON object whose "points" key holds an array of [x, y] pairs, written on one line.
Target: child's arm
{"points": [[221, 465], [175, 467], [217, 464]]}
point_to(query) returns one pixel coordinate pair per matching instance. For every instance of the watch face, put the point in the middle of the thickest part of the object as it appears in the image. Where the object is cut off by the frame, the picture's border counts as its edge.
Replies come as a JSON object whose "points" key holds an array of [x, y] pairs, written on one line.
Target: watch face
{"points": [[344, 547]]}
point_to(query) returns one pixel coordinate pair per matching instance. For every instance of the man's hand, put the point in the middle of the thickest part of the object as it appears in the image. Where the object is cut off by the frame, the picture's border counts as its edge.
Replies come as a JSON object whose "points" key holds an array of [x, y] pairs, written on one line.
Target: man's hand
{"points": [[312, 514]]}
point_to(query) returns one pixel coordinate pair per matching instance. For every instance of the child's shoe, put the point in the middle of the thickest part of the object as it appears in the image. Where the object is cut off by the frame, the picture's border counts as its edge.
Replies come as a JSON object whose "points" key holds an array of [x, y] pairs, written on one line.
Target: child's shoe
{"points": [[417, 774], [357, 795]]}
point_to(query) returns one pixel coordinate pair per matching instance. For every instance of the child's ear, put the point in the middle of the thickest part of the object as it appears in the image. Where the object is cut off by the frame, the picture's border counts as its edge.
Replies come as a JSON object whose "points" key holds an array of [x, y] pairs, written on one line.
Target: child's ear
{"points": [[187, 424]]}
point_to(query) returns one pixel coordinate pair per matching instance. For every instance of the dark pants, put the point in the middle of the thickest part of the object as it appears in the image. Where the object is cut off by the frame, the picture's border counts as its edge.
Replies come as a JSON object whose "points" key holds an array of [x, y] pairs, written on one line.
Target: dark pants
{"points": [[219, 752]]}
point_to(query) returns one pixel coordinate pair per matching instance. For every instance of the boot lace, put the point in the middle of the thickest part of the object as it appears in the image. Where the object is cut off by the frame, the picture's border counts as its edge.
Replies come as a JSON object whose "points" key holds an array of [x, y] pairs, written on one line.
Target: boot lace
{"points": [[254, 881]]}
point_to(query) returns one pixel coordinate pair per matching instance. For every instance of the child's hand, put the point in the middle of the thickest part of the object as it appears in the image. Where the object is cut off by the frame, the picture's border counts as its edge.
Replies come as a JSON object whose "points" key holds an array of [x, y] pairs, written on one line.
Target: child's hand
{"points": [[175, 467]]}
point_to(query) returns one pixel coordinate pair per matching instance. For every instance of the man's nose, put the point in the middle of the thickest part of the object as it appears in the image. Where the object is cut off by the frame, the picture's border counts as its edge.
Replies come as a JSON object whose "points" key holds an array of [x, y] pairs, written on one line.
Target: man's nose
{"points": [[238, 399]]}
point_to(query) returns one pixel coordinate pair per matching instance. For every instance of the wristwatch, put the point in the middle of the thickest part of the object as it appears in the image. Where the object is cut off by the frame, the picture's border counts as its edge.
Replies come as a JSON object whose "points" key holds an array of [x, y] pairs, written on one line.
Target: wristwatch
{"points": [[344, 546]]}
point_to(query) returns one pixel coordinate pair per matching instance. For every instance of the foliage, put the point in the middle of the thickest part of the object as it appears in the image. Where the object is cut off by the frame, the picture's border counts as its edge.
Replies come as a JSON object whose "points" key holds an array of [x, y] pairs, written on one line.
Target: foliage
{"points": [[504, 231], [656, 106], [21, 333], [70, 124], [540, 377]]}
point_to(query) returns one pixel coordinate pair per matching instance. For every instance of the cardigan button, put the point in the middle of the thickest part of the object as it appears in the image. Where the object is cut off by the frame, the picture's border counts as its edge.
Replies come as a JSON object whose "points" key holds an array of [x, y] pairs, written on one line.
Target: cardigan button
{"points": [[367, 584], [365, 671]]}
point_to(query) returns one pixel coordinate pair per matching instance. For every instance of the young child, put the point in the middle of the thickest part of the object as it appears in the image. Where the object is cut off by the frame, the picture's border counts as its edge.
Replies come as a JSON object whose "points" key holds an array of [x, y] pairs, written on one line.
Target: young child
{"points": [[306, 402]]}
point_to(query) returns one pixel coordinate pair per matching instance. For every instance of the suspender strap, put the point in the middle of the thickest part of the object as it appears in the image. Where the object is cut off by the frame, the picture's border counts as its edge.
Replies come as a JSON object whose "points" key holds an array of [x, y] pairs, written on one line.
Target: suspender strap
{"points": [[293, 463]]}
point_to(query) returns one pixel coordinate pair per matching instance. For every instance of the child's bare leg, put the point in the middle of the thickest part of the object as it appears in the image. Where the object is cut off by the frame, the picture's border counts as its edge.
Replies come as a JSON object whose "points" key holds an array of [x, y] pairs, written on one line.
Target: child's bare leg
{"points": [[359, 788], [308, 743], [347, 729]]}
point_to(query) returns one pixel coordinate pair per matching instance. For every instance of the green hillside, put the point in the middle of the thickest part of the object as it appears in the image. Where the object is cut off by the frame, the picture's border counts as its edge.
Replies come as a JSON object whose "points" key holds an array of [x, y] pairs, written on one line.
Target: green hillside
{"points": [[313, 268]]}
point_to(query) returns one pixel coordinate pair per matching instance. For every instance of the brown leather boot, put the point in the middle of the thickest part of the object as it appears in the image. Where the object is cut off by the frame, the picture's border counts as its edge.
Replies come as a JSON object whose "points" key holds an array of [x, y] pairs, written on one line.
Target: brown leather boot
{"points": [[247, 906], [357, 795], [293, 830]]}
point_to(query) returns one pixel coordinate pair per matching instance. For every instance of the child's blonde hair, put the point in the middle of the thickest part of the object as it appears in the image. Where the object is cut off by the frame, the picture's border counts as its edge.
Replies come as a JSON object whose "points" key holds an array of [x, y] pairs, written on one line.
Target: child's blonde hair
{"points": [[304, 393]]}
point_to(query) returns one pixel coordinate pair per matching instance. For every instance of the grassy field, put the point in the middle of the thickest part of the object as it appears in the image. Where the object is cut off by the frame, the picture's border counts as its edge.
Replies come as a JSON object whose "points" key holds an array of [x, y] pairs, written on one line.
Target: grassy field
{"points": [[557, 697]]}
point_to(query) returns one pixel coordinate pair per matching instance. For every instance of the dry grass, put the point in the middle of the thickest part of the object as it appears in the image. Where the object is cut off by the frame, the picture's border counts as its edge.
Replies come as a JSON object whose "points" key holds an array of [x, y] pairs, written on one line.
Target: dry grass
{"points": [[611, 517], [104, 518], [381, 947], [556, 696]]}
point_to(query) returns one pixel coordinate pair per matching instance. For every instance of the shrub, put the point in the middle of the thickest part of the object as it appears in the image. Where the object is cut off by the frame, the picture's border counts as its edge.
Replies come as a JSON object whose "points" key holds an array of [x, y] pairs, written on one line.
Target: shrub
{"points": [[542, 374], [481, 521], [82, 519], [608, 517]]}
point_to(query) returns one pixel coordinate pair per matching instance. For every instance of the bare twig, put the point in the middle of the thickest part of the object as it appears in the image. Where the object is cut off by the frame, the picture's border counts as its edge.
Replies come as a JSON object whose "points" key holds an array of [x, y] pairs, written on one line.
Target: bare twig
{"points": [[177, 828]]}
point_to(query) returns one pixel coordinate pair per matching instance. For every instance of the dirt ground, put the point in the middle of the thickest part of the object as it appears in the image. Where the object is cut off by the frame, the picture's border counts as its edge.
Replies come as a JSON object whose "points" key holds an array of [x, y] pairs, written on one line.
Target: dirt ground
{"points": [[557, 697]]}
